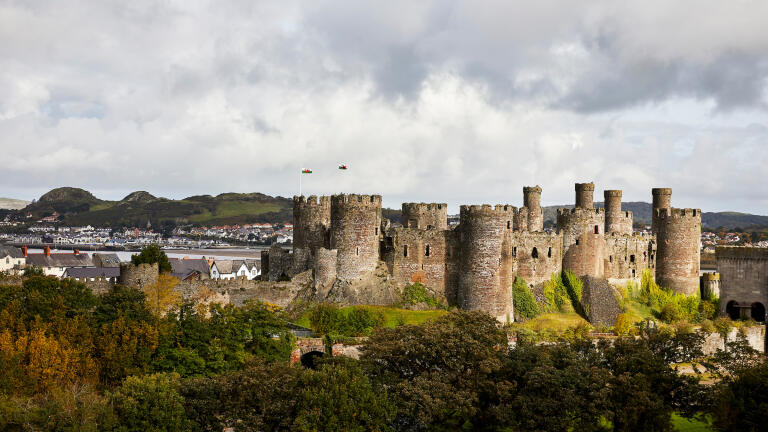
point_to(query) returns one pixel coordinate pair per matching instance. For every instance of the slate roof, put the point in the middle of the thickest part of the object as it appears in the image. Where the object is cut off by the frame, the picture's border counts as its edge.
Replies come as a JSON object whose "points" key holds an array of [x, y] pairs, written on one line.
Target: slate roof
{"points": [[184, 268], [106, 260], [224, 266], [59, 260], [92, 272], [11, 251]]}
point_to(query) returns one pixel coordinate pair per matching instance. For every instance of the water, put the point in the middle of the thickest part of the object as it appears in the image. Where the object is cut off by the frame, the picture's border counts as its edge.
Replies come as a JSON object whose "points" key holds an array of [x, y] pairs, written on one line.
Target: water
{"points": [[220, 254]]}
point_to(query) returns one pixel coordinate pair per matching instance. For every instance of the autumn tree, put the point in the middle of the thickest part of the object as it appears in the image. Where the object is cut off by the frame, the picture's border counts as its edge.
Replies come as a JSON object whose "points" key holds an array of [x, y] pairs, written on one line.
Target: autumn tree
{"points": [[149, 403], [161, 295]]}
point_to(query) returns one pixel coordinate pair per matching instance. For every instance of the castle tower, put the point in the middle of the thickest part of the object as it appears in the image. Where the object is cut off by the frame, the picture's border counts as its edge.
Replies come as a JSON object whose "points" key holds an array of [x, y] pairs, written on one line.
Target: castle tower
{"points": [[585, 195], [355, 222], [532, 201], [485, 281], [425, 216], [678, 233], [662, 199], [311, 219], [616, 221], [583, 229]]}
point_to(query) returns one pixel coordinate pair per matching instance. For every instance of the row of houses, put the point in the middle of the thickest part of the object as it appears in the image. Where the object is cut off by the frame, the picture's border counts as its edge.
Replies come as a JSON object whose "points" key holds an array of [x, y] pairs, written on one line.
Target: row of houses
{"points": [[84, 267]]}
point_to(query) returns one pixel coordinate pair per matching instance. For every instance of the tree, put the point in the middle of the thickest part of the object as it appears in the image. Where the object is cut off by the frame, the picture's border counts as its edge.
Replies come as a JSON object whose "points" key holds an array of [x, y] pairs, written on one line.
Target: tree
{"points": [[440, 371], [128, 302], [741, 399], [153, 254], [149, 403], [161, 295]]}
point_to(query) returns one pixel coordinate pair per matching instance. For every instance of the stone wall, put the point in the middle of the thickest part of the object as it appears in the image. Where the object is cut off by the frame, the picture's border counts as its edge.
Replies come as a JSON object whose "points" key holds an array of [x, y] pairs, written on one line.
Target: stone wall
{"points": [[425, 216], [425, 256], [600, 301], [325, 271], [583, 240], [678, 233], [355, 222], [743, 276], [662, 199], [536, 255], [710, 285], [487, 273], [627, 255], [241, 290], [138, 276], [755, 338], [311, 221], [276, 264]]}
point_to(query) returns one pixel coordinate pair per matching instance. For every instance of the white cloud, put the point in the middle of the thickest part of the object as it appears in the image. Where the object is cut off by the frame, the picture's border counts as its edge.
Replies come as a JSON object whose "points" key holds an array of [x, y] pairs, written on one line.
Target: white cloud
{"points": [[428, 101]]}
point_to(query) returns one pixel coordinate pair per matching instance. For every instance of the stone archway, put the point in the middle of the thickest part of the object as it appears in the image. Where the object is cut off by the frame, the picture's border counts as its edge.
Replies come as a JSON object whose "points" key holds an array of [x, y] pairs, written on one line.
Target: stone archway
{"points": [[757, 312], [310, 359], [732, 310]]}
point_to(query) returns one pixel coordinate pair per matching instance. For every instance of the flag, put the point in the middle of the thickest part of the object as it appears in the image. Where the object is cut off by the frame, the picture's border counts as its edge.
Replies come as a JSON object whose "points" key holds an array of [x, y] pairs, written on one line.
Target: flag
{"points": [[306, 171], [342, 166]]}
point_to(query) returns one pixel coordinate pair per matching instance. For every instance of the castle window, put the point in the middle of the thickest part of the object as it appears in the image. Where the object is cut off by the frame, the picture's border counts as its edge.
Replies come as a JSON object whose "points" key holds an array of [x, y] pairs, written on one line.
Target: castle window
{"points": [[514, 251], [534, 253], [405, 250], [509, 225], [549, 252], [633, 272], [357, 251], [577, 242], [631, 258], [625, 258], [610, 258], [377, 231], [426, 251], [597, 230]]}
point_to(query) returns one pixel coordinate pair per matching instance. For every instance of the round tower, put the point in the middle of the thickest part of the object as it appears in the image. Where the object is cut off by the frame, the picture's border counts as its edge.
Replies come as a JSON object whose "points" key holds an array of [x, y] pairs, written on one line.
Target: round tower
{"points": [[532, 201], [425, 216], [677, 250], [583, 240], [662, 199], [485, 281], [355, 222], [585, 195], [325, 271], [311, 218], [710, 285], [616, 221]]}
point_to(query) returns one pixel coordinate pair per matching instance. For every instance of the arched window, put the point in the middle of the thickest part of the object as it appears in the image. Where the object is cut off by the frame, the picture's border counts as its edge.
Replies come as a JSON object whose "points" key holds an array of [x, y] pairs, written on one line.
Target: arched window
{"points": [[757, 312], [509, 224], [549, 252], [534, 253], [733, 310], [514, 251], [631, 258]]}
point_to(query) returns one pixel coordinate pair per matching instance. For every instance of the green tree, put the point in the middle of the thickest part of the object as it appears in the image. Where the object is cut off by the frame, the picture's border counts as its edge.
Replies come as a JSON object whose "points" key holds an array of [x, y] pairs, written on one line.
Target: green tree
{"points": [[130, 303], [152, 254], [525, 304], [741, 399], [149, 403]]}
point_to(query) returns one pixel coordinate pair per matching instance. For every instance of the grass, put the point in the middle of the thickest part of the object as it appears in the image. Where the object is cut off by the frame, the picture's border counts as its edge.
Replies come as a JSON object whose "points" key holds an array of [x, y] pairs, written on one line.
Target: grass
{"points": [[229, 209], [683, 424], [392, 316], [553, 322]]}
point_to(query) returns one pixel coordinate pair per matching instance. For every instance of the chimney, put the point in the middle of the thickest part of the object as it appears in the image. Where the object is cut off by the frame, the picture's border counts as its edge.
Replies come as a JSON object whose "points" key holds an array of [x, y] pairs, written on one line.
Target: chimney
{"points": [[24, 250], [77, 251], [47, 251]]}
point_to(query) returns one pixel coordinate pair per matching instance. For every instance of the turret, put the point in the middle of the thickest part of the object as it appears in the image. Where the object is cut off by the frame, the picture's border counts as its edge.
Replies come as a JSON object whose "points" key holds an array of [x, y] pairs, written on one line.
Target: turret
{"points": [[532, 202], [616, 221], [585, 195], [677, 251], [355, 223], [662, 199], [425, 216], [311, 221], [486, 277]]}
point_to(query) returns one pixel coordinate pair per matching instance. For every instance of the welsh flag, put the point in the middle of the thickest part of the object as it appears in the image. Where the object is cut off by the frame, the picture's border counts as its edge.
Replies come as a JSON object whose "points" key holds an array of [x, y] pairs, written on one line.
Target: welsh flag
{"points": [[306, 171], [342, 166]]}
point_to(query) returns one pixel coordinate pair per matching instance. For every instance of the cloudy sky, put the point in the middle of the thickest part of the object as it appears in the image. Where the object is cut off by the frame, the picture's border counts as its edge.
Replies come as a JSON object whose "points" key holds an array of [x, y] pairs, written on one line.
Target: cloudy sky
{"points": [[446, 101]]}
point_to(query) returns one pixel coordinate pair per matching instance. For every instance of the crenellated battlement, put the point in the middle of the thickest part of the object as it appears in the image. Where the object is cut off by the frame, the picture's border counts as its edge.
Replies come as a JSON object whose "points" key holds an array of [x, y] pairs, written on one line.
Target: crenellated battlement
{"points": [[357, 200], [616, 193], [532, 189], [661, 191], [487, 210], [674, 213], [312, 200], [577, 210], [424, 206], [741, 252]]}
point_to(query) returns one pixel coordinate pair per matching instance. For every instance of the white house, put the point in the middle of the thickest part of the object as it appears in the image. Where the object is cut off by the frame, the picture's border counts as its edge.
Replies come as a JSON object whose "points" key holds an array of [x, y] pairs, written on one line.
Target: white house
{"points": [[231, 269], [11, 258]]}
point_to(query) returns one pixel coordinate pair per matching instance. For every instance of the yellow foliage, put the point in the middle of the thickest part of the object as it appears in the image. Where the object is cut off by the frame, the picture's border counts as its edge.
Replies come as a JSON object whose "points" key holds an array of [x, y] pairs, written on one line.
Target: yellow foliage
{"points": [[161, 295], [622, 326]]}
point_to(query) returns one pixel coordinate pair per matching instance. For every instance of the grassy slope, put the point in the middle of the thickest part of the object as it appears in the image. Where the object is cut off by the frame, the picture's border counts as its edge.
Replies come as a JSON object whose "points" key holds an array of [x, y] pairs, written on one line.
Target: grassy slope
{"points": [[684, 425]]}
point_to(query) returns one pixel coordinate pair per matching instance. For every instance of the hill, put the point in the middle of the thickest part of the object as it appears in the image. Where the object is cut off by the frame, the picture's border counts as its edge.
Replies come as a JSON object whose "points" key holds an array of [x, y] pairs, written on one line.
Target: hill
{"points": [[641, 213], [80, 207], [12, 204]]}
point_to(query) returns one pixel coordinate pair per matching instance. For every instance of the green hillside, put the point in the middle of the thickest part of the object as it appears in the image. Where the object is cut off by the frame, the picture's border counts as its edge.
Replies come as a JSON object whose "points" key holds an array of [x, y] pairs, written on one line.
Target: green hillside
{"points": [[80, 207]]}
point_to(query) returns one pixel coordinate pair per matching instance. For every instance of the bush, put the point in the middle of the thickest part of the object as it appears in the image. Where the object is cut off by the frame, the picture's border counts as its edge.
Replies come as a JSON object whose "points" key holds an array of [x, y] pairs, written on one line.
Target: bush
{"points": [[153, 254], [666, 304], [417, 293], [622, 326], [150, 403], [556, 295], [327, 318], [525, 304]]}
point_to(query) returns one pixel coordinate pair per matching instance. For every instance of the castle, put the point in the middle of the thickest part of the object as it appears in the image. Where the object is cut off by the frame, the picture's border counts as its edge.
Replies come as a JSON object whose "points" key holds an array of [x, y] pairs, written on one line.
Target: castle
{"points": [[473, 265]]}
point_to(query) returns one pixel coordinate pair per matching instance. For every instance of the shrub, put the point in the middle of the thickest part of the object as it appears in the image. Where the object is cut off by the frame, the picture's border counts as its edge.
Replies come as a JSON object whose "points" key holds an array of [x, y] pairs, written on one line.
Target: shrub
{"points": [[622, 326], [150, 403], [325, 317], [556, 295], [723, 326], [417, 293], [525, 304], [361, 321], [668, 305]]}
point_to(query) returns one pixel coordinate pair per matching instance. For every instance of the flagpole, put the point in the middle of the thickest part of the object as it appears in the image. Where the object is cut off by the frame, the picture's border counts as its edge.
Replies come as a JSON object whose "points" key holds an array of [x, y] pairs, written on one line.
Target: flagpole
{"points": [[300, 173]]}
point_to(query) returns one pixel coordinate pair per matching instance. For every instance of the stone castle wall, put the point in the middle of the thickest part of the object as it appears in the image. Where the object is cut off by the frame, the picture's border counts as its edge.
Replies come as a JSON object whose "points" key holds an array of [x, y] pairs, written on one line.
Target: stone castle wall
{"points": [[583, 239], [743, 276], [532, 203], [536, 255], [311, 221], [425, 256], [325, 270], [355, 223], [487, 274], [425, 216], [627, 256], [710, 285], [139, 276], [616, 220], [678, 233]]}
